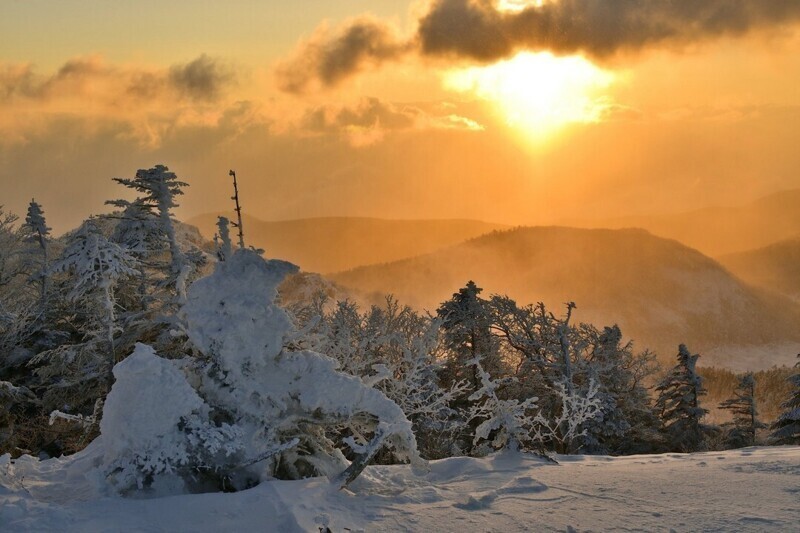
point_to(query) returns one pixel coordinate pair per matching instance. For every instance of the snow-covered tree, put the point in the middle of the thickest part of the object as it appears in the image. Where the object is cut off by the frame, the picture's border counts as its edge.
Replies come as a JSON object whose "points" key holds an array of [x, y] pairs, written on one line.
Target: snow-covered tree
{"points": [[562, 428], [786, 429], [36, 231], [96, 265], [9, 247], [549, 352], [278, 396], [223, 236], [158, 188], [11, 270], [156, 431], [138, 230], [678, 403], [504, 423], [742, 431], [390, 347], [626, 422], [467, 336]]}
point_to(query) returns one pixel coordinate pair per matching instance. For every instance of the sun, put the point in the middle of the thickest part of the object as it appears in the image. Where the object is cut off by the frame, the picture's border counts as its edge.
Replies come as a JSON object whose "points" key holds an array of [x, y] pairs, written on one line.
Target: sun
{"points": [[539, 94]]}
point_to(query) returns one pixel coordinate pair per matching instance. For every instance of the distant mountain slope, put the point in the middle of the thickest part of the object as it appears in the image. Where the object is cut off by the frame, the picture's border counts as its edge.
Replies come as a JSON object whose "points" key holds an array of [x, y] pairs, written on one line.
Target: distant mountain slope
{"points": [[339, 243], [721, 230], [659, 291], [775, 267]]}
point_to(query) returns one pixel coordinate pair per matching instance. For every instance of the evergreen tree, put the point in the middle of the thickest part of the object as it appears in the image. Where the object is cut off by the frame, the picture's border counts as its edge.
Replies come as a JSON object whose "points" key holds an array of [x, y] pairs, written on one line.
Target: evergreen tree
{"points": [[466, 325], [223, 239], [626, 422], [138, 230], [36, 231], [678, 403], [158, 187], [786, 429], [742, 431]]}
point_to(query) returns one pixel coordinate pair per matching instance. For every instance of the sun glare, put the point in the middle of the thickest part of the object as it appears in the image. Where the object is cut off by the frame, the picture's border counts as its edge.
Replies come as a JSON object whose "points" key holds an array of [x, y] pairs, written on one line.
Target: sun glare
{"points": [[539, 94]]}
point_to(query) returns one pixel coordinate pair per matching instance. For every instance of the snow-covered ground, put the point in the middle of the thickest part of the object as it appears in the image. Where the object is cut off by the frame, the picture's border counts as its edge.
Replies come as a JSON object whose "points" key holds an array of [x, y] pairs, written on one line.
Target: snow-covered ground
{"points": [[753, 489]]}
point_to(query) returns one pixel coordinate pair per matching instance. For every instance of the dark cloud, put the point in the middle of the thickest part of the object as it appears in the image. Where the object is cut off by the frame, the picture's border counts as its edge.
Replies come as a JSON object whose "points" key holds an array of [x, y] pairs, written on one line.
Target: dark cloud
{"points": [[330, 57], [17, 80], [476, 30], [369, 113], [369, 120], [202, 79]]}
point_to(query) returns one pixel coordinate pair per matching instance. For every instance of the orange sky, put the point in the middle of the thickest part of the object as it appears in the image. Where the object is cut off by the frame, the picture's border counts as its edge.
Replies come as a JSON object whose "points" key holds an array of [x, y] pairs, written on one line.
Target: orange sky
{"points": [[420, 110]]}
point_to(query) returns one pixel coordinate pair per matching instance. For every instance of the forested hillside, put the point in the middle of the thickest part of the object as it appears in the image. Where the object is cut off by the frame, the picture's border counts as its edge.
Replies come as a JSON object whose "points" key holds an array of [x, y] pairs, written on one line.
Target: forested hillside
{"points": [[657, 290]]}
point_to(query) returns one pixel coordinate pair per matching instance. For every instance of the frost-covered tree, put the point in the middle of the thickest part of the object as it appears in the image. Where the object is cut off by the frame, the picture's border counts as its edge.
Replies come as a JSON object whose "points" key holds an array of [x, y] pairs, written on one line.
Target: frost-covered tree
{"points": [[742, 431], [138, 230], [467, 336], [626, 422], [12, 301], [156, 431], [158, 188], [223, 239], [786, 429], [678, 403], [563, 427], [75, 375], [95, 266], [36, 231], [503, 423], [549, 352], [9, 248], [397, 351], [351, 340], [277, 396]]}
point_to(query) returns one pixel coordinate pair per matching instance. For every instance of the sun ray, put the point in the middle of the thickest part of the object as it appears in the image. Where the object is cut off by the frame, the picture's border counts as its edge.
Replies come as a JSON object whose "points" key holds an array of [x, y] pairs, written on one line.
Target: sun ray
{"points": [[539, 94]]}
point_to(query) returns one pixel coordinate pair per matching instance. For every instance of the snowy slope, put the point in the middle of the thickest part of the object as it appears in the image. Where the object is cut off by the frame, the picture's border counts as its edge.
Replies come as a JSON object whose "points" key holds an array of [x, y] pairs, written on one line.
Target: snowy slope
{"points": [[753, 489]]}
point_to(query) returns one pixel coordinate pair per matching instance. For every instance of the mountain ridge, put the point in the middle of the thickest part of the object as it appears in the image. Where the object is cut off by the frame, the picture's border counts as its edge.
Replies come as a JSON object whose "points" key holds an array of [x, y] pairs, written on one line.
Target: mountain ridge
{"points": [[723, 229], [658, 290], [330, 244]]}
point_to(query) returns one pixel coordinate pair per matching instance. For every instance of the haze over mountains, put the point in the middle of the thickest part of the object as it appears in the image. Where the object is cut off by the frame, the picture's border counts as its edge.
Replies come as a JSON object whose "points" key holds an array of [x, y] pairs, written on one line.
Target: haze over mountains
{"points": [[722, 230], [659, 291], [775, 267], [741, 311], [332, 244]]}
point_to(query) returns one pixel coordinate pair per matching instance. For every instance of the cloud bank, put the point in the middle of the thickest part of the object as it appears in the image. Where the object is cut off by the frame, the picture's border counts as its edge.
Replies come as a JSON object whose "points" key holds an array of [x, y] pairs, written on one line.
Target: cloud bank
{"points": [[370, 119], [479, 31], [201, 79], [149, 100]]}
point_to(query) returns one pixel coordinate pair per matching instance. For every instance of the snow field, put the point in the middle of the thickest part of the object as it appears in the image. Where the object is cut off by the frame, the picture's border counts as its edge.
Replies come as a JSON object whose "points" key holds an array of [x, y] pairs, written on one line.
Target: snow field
{"points": [[751, 489]]}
